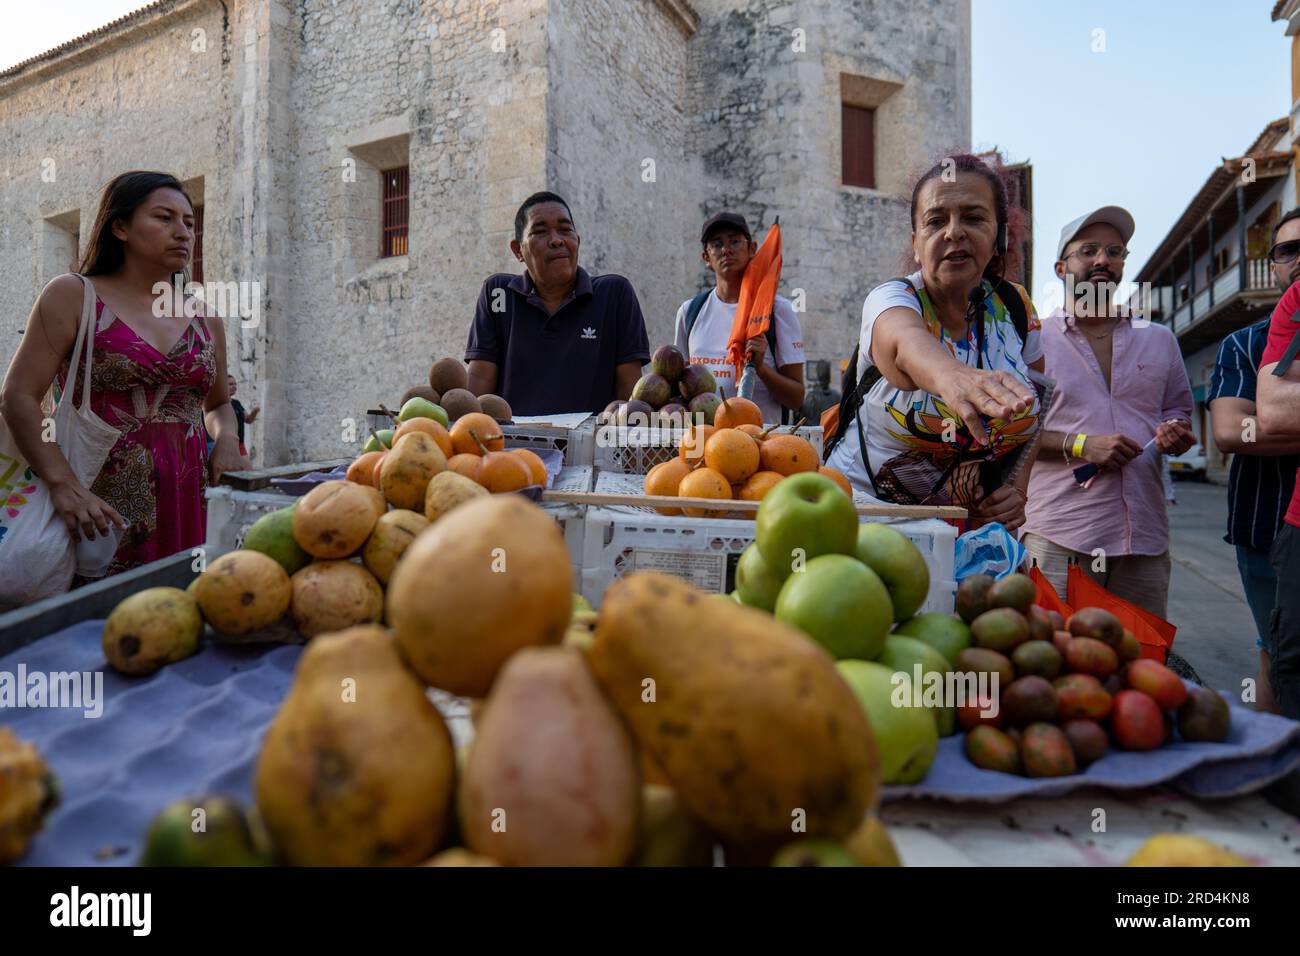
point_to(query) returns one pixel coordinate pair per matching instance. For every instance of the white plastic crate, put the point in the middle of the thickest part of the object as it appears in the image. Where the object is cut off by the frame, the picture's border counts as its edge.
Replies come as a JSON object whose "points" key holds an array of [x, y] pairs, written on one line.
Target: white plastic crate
{"points": [[704, 551], [577, 443], [634, 451], [231, 513], [571, 518]]}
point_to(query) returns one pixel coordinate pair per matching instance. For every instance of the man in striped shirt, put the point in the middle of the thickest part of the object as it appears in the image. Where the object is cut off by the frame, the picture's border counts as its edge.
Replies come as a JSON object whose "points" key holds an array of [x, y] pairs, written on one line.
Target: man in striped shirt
{"points": [[1260, 482]]}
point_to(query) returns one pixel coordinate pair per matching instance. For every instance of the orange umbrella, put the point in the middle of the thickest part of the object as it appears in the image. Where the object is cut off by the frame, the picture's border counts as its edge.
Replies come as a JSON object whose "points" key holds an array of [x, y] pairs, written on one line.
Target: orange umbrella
{"points": [[754, 311]]}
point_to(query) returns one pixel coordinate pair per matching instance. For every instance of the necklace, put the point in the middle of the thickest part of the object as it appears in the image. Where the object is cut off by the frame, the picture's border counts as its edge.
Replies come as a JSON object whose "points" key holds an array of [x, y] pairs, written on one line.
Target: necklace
{"points": [[1098, 336]]}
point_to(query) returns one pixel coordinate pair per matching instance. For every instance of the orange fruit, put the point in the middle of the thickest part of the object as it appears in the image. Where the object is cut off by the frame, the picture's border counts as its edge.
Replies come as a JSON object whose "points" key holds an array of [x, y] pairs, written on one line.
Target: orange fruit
{"points": [[691, 448], [363, 469], [788, 455], [429, 427], [734, 412], [468, 465], [759, 484], [704, 483], [480, 426], [503, 471], [753, 431], [731, 453], [838, 477], [664, 478], [536, 469], [374, 475]]}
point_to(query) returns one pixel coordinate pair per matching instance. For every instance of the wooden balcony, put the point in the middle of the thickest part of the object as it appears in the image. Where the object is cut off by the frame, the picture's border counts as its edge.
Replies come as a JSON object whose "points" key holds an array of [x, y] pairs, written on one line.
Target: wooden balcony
{"points": [[1200, 321]]}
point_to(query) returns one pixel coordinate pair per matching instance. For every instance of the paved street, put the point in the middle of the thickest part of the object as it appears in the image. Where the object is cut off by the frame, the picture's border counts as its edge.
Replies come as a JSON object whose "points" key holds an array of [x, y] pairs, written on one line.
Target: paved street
{"points": [[1216, 633]]}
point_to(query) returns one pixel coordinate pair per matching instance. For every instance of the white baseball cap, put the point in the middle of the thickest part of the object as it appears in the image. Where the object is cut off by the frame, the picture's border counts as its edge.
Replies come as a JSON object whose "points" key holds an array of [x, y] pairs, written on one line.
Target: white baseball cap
{"points": [[1115, 216]]}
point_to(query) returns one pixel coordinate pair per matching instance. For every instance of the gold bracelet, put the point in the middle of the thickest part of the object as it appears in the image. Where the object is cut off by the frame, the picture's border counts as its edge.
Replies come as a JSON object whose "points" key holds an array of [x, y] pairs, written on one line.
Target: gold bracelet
{"points": [[1077, 450]]}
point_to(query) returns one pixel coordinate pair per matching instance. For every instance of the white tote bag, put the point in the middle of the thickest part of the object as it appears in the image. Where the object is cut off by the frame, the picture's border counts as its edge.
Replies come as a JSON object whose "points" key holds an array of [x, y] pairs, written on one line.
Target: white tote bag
{"points": [[37, 554]]}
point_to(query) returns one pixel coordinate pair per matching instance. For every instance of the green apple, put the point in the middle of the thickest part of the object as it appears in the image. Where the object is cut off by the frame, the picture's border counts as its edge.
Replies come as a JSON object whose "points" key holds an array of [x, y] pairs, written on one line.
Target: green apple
{"points": [[379, 441], [802, 517], [904, 654], [889, 553], [840, 603], [947, 634], [418, 407], [756, 584], [907, 738]]}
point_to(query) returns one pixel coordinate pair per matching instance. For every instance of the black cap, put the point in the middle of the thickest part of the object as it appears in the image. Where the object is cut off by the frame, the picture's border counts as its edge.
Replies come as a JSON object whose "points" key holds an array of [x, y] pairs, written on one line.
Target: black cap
{"points": [[734, 219]]}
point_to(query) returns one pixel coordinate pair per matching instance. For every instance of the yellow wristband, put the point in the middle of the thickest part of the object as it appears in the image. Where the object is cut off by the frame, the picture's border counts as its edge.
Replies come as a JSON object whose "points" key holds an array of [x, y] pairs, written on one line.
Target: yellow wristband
{"points": [[1077, 450]]}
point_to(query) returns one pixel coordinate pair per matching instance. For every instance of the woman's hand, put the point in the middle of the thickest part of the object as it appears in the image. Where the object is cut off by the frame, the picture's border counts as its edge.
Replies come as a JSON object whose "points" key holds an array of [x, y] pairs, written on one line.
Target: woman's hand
{"points": [[226, 457], [1005, 505], [973, 392], [83, 512]]}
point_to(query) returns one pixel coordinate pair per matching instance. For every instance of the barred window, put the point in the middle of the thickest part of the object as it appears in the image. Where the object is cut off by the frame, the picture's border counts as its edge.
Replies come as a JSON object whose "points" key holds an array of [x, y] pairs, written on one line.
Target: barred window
{"points": [[393, 237]]}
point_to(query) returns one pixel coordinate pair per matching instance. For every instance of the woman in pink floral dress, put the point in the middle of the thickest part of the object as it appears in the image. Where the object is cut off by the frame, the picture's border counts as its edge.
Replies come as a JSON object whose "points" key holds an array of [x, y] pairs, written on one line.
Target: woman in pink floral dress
{"points": [[159, 376]]}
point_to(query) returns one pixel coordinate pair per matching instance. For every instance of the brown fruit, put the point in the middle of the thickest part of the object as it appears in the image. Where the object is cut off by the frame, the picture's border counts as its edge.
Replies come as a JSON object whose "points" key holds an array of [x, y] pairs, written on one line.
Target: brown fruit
{"points": [[990, 749], [1137, 721], [460, 402], [1046, 751], [405, 473], [468, 465], [334, 519], [737, 411], [704, 483], [1001, 629], [1037, 658], [979, 660], [758, 485], [1087, 739], [496, 406], [431, 428], [393, 533], [972, 596], [663, 480], [788, 455], [471, 433], [536, 468], [1087, 655], [1205, 716], [1029, 700], [1098, 623], [1015, 591], [732, 454], [1081, 695], [1158, 682], [838, 478], [419, 391], [489, 577], [362, 470], [333, 596], [447, 374]]}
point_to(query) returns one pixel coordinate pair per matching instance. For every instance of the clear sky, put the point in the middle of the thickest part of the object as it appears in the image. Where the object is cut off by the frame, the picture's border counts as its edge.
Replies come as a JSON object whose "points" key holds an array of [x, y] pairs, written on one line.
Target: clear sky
{"points": [[1132, 102], [1181, 84]]}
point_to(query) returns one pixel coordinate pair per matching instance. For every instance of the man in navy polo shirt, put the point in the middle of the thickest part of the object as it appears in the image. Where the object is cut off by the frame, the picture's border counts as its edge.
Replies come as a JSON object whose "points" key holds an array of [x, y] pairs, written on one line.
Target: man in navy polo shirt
{"points": [[555, 339]]}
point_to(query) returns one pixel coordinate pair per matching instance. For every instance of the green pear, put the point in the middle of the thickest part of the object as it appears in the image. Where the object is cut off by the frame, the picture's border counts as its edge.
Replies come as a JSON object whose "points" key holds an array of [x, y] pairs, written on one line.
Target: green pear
{"points": [[419, 407]]}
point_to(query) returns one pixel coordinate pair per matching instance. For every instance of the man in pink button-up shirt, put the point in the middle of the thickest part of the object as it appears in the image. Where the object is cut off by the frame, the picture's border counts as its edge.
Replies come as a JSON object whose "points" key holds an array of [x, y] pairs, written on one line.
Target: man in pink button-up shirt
{"points": [[1120, 382]]}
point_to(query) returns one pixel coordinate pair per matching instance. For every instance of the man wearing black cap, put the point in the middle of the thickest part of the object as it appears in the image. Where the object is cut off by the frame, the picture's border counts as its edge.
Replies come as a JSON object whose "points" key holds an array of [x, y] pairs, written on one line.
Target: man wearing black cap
{"points": [[555, 339], [704, 324]]}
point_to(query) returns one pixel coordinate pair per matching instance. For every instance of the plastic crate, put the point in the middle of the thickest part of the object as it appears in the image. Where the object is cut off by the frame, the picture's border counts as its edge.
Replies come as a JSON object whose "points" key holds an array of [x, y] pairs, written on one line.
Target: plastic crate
{"points": [[576, 443], [231, 513], [571, 518], [704, 551], [617, 483], [634, 451]]}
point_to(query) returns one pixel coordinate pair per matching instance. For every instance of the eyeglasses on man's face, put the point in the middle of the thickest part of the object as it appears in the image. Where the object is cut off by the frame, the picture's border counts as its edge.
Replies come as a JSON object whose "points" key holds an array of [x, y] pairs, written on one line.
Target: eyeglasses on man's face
{"points": [[1089, 250], [734, 243], [1285, 251]]}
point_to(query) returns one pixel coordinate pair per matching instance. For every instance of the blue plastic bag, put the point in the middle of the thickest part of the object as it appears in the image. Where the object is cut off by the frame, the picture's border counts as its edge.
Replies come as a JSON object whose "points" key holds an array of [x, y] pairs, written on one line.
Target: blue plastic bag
{"points": [[991, 550]]}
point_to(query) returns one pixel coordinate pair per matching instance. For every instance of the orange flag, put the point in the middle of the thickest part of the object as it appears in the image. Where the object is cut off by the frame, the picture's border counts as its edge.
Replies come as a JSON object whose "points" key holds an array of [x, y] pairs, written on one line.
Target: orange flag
{"points": [[757, 299]]}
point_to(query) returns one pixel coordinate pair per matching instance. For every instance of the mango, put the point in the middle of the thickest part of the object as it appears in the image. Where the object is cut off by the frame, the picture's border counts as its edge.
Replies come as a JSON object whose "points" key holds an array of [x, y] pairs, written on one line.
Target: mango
{"points": [[1136, 721], [486, 579], [1014, 591], [1037, 658], [151, 628], [357, 767], [1097, 623], [1204, 716], [1029, 700], [979, 710], [333, 596], [448, 489], [334, 519], [405, 472], [1183, 849], [552, 776], [1087, 655], [392, 535], [1040, 624], [750, 725], [1130, 649], [972, 596], [990, 749], [1158, 682], [272, 534], [1061, 640], [1087, 739], [980, 660], [1001, 629], [1046, 751], [1081, 695], [242, 592]]}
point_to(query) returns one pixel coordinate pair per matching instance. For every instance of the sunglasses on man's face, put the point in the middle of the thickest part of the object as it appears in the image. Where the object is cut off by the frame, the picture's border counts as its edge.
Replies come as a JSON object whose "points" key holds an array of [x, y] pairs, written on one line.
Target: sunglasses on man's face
{"points": [[1285, 251]]}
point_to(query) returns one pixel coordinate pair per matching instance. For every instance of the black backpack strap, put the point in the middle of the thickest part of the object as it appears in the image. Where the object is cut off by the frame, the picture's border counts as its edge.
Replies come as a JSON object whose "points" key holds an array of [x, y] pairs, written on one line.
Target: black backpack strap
{"points": [[1284, 363], [1010, 297], [692, 313]]}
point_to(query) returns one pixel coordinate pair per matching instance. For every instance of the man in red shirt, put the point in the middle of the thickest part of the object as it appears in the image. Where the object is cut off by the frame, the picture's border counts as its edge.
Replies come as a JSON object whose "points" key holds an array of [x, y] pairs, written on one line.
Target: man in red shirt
{"points": [[1278, 398]]}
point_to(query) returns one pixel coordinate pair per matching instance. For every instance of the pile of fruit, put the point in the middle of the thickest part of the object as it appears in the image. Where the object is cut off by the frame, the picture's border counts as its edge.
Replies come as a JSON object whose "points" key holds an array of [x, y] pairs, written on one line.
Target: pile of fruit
{"points": [[1061, 691], [734, 459], [672, 394]]}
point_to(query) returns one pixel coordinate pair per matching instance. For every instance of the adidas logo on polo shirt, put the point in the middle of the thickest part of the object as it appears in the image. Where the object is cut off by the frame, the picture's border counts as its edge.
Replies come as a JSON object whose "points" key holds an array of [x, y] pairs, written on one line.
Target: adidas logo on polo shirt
{"points": [[588, 333]]}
